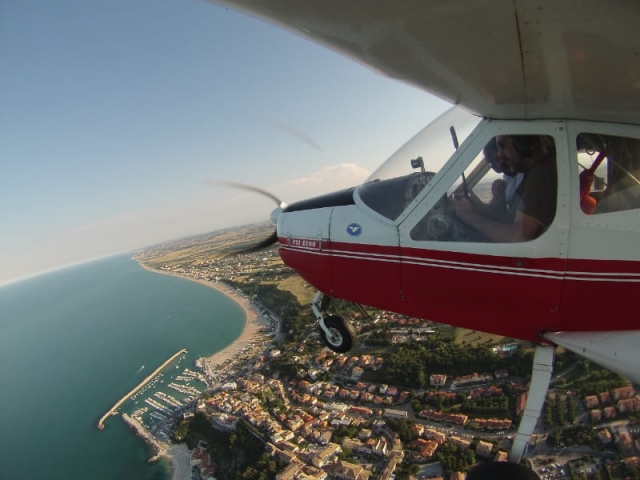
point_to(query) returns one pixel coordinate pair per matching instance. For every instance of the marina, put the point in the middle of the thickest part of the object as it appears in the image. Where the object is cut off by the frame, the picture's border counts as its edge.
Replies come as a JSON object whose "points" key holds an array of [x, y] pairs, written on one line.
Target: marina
{"points": [[184, 389], [113, 409], [168, 399], [158, 406]]}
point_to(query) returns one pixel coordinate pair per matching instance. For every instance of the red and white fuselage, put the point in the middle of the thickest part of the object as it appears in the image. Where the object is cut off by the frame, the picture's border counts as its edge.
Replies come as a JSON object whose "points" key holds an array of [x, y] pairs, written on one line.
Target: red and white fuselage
{"points": [[581, 274], [567, 70]]}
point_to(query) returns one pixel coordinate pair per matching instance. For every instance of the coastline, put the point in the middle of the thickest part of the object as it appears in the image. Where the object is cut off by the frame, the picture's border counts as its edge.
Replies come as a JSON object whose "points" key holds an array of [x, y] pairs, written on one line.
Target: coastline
{"points": [[253, 321]]}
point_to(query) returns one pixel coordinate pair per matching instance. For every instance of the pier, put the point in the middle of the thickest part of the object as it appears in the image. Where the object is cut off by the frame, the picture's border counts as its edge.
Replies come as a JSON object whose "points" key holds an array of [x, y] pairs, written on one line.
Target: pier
{"points": [[140, 385], [142, 432]]}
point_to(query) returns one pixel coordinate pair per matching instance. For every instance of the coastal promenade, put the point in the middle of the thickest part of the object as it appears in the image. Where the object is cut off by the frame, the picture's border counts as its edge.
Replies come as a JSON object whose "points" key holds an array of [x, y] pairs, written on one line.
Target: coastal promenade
{"points": [[140, 385]]}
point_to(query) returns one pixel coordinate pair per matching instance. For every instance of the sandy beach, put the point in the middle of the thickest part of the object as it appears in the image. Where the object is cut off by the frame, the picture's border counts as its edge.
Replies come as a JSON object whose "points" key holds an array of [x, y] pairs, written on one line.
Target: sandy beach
{"points": [[252, 323]]}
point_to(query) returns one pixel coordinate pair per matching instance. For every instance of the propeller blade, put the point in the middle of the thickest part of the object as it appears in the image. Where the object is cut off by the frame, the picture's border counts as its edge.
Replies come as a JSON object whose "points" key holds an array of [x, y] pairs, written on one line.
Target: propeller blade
{"points": [[262, 245], [273, 238], [242, 186]]}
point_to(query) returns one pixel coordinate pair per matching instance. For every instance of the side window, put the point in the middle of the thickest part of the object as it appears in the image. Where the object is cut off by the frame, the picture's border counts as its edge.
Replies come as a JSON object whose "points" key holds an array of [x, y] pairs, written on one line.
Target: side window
{"points": [[609, 169], [507, 194]]}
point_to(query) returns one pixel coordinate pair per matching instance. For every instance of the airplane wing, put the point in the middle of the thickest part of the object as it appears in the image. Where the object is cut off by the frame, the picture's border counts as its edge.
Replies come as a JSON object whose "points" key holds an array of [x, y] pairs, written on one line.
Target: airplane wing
{"points": [[506, 59]]}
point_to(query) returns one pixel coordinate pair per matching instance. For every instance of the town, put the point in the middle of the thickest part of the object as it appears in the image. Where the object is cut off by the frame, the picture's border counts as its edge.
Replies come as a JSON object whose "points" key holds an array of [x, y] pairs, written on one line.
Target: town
{"points": [[413, 399]]}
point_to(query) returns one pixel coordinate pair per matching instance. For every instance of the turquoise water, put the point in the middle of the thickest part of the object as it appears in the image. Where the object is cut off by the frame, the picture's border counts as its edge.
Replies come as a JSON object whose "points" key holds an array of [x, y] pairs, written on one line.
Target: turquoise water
{"points": [[73, 342]]}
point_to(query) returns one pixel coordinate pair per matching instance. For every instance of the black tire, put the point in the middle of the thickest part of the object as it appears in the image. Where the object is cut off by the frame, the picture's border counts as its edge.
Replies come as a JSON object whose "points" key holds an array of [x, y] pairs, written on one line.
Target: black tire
{"points": [[343, 335], [501, 471]]}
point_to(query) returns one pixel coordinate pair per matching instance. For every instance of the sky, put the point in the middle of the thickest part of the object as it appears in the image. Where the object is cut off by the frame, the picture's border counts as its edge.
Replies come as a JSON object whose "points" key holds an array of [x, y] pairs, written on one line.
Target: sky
{"points": [[114, 114]]}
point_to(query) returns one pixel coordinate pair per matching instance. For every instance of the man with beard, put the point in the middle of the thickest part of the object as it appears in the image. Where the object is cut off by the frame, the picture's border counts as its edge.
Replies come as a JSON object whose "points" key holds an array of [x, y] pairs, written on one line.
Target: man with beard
{"points": [[534, 206]]}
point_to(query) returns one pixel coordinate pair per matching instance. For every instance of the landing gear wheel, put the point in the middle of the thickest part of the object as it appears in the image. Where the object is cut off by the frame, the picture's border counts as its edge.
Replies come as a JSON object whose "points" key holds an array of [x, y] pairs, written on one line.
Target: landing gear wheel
{"points": [[342, 334]]}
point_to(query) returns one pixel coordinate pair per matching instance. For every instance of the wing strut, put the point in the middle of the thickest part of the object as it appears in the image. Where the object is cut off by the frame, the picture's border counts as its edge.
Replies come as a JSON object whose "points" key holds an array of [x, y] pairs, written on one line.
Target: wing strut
{"points": [[542, 368]]}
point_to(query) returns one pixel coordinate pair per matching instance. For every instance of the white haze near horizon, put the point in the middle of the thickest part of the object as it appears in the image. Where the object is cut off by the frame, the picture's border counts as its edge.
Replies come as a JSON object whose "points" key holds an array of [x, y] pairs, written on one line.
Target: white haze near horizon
{"points": [[146, 227]]}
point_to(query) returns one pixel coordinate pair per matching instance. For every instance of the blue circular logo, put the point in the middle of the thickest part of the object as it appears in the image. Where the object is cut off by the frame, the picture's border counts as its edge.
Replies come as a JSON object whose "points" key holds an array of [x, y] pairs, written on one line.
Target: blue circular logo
{"points": [[354, 229]]}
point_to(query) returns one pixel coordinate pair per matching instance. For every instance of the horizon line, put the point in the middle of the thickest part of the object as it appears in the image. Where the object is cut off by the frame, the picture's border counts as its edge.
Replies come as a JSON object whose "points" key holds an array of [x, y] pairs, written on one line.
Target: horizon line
{"points": [[39, 273]]}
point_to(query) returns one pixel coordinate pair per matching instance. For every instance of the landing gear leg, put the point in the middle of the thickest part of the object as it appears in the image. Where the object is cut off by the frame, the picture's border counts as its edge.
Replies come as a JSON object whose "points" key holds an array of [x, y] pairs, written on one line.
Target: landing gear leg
{"points": [[338, 334], [542, 368]]}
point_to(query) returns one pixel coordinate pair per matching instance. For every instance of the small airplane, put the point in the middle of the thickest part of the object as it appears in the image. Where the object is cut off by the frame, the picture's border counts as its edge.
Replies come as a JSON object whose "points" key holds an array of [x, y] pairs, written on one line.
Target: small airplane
{"points": [[515, 213]]}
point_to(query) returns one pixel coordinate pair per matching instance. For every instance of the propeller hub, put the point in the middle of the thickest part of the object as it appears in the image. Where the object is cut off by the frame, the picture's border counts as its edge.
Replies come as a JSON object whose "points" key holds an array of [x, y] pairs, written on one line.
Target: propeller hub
{"points": [[275, 213]]}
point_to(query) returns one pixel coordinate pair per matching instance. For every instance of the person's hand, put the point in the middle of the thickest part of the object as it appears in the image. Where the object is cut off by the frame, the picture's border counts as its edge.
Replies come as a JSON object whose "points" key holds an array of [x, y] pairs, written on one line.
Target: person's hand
{"points": [[499, 188], [462, 206], [473, 198]]}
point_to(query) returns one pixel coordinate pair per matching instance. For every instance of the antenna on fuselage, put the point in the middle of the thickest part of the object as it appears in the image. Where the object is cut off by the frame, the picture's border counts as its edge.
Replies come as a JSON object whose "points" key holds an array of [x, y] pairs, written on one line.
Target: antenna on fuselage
{"points": [[454, 137]]}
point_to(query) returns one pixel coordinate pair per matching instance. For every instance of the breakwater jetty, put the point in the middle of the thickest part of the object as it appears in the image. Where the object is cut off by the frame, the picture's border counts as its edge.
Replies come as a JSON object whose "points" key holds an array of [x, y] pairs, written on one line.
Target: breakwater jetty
{"points": [[140, 385], [142, 433]]}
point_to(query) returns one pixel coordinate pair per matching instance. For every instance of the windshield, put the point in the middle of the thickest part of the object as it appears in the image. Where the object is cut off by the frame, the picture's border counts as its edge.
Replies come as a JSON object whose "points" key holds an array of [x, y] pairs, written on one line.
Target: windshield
{"points": [[400, 179]]}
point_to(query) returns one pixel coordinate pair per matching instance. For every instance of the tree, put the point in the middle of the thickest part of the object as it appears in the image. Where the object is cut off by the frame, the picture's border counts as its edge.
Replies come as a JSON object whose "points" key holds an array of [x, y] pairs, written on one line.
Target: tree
{"points": [[553, 439], [548, 415], [571, 409], [560, 410]]}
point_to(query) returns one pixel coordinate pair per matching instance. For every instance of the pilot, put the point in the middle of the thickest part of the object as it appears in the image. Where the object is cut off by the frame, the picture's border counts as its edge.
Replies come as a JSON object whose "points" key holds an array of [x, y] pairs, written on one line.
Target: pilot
{"points": [[503, 190], [534, 207]]}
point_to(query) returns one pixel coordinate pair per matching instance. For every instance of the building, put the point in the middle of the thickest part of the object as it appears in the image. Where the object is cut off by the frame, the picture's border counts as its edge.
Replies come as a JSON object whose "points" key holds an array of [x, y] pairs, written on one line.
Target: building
{"points": [[624, 439], [352, 443], [325, 455], [431, 434], [423, 449], [461, 442], [438, 380], [289, 472], [501, 456], [632, 462], [390, 466], [591, 402], [605, 436], [380, 446], [521, 403], [627, 405], [623, 392], [469, 379], [484, 449], [393, 413], [348, 471]]}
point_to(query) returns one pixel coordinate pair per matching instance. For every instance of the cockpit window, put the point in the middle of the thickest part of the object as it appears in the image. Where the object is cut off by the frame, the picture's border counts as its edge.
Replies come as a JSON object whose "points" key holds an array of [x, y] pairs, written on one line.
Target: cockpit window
{"points": [[609, 173], [393, 186], [507, 194]]}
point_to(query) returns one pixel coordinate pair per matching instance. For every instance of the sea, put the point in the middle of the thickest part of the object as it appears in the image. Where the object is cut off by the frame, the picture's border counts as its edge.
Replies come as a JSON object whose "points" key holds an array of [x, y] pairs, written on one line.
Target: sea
{"points": [[74, 341]]}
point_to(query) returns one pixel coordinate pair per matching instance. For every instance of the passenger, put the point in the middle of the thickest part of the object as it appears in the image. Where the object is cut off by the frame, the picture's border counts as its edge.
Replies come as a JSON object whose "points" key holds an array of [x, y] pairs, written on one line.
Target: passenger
{"points": [[534, 205]]}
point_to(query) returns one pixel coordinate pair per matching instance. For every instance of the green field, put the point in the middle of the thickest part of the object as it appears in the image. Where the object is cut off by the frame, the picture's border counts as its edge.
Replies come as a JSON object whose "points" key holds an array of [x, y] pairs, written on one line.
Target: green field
{"points": [[296, 285], [475, 337]]}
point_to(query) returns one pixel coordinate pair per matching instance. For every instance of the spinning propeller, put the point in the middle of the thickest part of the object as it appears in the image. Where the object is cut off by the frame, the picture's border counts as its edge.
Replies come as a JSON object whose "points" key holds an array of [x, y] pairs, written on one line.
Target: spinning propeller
{"points": [[273, 238]]}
